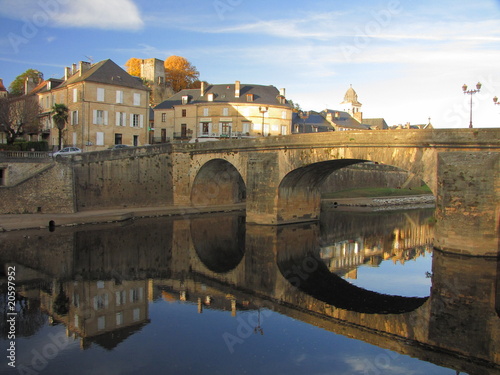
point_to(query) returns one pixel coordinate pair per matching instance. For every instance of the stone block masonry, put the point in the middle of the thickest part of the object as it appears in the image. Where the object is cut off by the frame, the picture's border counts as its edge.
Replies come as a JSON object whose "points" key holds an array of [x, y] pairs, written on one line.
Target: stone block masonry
{"points": [[49, 191], [135, 177]]}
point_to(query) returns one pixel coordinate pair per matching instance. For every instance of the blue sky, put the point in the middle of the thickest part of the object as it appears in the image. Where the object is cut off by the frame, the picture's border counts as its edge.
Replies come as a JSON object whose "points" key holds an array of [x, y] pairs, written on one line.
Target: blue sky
{"points": [[406, 60]]}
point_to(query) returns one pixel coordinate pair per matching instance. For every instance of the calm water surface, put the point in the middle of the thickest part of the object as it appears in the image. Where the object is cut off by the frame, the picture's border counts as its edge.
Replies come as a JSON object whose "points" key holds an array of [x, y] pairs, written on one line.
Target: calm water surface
{"points": [[357, 293]]}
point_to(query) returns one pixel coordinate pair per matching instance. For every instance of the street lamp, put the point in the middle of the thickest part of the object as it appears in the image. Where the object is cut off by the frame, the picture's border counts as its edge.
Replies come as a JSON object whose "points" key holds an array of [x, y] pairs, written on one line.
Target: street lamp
{"points": [[471, 92], [495, 100], [263, 110]]}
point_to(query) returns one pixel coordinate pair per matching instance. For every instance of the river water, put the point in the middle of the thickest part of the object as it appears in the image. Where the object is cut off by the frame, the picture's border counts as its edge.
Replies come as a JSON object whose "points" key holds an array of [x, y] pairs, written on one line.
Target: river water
{"points": [[356, 293]]}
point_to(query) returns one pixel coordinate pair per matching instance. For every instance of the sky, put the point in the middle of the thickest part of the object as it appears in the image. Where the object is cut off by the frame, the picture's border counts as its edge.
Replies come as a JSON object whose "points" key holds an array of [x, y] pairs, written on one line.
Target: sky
{"points": [[407, 60]]}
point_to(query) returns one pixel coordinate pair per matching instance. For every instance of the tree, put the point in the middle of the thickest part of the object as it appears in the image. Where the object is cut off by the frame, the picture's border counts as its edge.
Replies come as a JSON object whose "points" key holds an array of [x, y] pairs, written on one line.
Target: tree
{"points": [[16, 88], [60, 117], [19, 115], [134, 66], [180, 73]]}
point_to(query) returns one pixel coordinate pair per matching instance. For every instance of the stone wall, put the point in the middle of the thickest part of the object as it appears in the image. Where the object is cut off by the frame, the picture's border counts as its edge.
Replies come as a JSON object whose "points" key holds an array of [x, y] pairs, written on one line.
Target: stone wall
{"points": [[369, 176], [48, 191], [135, 177]]}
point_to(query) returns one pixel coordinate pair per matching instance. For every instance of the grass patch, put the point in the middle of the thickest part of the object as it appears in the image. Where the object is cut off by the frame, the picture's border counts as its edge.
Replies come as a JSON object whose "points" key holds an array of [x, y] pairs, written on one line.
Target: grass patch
{"points": [[377, 192]]}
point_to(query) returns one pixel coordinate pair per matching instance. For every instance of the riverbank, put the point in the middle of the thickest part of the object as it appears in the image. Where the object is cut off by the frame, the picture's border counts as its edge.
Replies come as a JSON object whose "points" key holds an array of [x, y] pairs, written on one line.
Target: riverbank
{"points": [[48, 221]]}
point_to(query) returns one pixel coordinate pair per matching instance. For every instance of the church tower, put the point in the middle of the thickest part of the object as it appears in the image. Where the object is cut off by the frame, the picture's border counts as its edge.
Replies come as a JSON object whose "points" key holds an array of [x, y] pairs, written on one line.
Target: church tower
{"points": [[351, 104]]}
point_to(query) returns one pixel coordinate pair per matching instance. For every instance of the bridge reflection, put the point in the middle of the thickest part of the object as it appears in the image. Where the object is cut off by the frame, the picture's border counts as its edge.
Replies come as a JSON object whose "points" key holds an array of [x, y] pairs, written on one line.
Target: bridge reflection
{"points": [[219, 262]]}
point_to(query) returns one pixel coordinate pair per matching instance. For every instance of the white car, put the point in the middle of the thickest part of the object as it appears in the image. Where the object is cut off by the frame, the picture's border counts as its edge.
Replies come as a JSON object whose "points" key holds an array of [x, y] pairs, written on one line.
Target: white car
{"points": [[66, 151]]}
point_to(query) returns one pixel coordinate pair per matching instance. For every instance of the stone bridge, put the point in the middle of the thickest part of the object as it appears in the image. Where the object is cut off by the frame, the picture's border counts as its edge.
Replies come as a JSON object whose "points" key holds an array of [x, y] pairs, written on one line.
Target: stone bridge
{"points": [[279, 178]]}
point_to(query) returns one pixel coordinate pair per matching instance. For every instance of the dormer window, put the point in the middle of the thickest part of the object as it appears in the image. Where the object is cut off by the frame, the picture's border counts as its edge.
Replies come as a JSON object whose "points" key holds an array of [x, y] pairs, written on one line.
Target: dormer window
{"points": [[249, 97], [211, 97], [185, 99]]}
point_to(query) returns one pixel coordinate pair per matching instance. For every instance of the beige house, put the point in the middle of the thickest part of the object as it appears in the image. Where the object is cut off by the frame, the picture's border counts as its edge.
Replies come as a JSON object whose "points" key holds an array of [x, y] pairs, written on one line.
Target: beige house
{"points": [[107, 106], [223, 111]]}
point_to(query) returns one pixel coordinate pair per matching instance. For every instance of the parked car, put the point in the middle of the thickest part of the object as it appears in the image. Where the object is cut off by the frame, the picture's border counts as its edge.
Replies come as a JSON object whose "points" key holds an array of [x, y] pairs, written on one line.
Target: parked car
{"points": [[66, 151], [117, 147]]}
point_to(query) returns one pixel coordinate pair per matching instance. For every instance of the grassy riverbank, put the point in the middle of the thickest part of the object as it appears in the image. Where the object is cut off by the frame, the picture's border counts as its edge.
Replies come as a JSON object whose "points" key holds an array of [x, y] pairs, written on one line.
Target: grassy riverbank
{"points": [[377, 192]]}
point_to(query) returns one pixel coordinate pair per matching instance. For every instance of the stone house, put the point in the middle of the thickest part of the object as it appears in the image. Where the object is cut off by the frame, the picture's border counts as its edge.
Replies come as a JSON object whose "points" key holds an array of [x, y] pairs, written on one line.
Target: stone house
{"points": [[107, 106], [223, 111]]}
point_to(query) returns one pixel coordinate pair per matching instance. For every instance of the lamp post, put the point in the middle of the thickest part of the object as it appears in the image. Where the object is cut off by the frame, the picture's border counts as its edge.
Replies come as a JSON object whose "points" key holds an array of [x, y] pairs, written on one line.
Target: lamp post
{"points": [[263, 110], [471, 92]]}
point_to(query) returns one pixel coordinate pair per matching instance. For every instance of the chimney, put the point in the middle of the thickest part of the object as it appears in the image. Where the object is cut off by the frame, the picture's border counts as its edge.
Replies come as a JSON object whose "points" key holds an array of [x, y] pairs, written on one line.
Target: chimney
{"points": [[237, 88], [73, 69], [283, 92], [84, 66], [202, 88], [67, 73], [29, 84]]}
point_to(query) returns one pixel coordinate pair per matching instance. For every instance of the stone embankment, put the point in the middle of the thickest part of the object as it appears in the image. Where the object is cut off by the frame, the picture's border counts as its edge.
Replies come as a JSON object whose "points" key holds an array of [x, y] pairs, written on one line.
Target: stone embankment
{"points": [[382, 202]]}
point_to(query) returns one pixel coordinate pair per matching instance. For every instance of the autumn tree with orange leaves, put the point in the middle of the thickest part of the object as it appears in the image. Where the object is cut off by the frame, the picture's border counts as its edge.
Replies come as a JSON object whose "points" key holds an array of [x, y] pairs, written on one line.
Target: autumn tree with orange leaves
{"points": [[133, 66], [180, 73]]}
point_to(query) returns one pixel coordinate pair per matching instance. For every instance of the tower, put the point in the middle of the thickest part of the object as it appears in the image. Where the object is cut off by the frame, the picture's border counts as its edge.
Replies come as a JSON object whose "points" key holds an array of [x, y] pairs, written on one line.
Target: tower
{"points": [[3, 90], [352, 105]]}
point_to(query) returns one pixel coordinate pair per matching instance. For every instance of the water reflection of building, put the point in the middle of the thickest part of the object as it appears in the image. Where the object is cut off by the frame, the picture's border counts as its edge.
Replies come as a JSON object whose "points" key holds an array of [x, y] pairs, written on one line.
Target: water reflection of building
{"points": [[403, 244], [105, 312]]}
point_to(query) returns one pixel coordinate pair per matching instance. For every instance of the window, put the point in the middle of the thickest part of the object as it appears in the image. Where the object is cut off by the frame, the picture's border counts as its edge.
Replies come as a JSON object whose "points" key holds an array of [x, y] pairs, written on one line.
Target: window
{"points": [[101, 301], [121, 119], [284, 130], [183, 130], [120, 297], [210, 97], [119, 96], [136, 313], [136, 140], [100, 139], [137, 99], [135, 121], [75, 95], [283, 115], [100, 285], [225, 128], [100, 117], [136, 295], [101, 323], [118, 139], [2, 177], [249, 97], [205, 129], [184, 112], [119, 318], [100, 94], [74, 117], [205, 112], [163, 117], [246, 128], [185, 99], [225, 111]]}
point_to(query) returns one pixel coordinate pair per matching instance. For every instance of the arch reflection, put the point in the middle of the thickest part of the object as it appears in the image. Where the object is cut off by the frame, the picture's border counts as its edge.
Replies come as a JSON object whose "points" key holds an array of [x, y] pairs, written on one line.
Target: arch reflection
{"points": [[219, 244]]}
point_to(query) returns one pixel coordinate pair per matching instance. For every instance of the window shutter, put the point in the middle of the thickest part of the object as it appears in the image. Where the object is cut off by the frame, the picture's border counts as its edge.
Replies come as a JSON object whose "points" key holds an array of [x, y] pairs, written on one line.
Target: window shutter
{"points": [[131, 120], [124, 116], [141, 121], [117, 118], [76, 117], [220, 128], [200, 129], [210, 129], [94, 116], [105, 117]]}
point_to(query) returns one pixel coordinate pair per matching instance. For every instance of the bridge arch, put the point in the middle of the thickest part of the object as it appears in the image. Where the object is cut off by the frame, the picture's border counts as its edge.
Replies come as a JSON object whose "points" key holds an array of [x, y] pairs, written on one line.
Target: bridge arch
{"points": [[218, 182]]}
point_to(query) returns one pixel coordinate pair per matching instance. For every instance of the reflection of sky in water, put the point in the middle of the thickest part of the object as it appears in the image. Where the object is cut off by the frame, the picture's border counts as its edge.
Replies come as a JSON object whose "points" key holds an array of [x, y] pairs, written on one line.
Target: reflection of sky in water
{"points": [[178, 340], [408, 279]]}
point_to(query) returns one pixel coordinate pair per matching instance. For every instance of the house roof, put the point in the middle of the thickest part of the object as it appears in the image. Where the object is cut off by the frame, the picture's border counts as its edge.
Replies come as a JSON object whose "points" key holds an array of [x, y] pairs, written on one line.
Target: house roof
{"points": [[46, 86], [2, 87], [311, 121], [344, 120], [225, 93], [107, 72], [378, 123]]}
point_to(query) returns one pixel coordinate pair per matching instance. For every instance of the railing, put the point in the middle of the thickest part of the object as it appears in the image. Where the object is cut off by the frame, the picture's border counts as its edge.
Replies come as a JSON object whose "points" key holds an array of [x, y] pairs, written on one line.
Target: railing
{"points": [[24, 154]]}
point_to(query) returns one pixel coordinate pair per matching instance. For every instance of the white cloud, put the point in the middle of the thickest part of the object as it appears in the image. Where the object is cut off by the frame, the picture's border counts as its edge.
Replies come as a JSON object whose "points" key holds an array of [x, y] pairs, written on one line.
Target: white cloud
{"points": [[108, 15]]}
